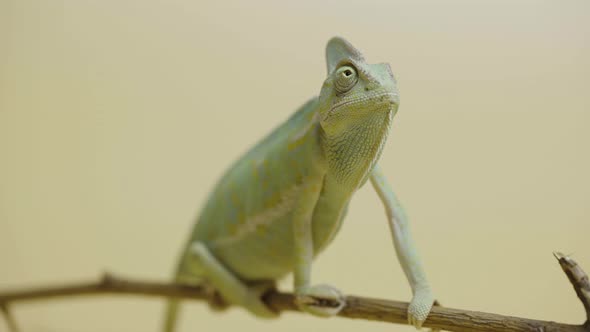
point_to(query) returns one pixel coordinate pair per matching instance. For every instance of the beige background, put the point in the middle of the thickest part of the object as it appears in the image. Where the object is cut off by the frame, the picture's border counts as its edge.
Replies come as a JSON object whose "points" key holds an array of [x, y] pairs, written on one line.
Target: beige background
{"points": [[117, 117]]}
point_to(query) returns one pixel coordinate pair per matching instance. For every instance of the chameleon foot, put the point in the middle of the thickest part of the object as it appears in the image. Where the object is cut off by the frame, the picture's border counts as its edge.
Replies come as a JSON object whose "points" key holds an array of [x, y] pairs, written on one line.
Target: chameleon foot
{"points": [[420, 307], [320, 300]]}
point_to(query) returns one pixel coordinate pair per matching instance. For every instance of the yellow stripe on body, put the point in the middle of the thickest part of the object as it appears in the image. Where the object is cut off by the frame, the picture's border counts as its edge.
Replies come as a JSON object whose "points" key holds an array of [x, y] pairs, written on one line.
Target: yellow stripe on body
{"points": [[283, 205]]}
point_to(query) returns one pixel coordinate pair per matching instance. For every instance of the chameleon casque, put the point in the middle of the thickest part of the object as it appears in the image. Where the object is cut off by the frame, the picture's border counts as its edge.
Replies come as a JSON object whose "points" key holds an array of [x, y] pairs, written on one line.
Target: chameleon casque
{"points": [[283, 202]]}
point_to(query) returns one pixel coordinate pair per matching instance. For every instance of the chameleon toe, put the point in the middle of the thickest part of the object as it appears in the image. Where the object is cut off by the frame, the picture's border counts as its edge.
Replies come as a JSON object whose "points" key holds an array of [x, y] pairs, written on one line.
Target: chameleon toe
{"points": [[420, 307], [321, 300]]}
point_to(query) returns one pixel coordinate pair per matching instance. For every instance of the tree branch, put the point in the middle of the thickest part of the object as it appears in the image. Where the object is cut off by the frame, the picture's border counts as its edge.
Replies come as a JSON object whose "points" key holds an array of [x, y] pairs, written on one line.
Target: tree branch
{"points": [[356, 307]]}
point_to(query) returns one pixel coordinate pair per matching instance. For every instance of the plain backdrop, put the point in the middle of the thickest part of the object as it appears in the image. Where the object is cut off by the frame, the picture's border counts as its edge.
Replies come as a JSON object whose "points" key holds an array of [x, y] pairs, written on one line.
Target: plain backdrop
{"points": [[117, 118]]}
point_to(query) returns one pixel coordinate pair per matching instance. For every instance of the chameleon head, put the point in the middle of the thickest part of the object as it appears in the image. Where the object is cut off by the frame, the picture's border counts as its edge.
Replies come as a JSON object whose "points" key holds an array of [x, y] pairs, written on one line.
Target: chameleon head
{"points": [[354, 91], [356, 106]]}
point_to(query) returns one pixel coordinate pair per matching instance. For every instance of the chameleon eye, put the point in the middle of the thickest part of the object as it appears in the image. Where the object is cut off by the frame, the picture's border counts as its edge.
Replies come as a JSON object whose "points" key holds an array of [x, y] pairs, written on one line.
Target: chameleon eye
{"points": [[346, 78]]}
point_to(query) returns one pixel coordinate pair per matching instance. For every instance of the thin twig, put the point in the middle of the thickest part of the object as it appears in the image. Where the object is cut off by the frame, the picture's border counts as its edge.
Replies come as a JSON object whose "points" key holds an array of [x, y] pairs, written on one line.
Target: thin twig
{"points": [[578, 278], [10, 321], [356, 307]]}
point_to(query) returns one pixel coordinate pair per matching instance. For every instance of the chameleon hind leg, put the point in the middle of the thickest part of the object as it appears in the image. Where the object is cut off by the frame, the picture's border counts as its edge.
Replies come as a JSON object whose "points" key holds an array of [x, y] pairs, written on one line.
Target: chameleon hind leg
{"points": [[231, 288]]}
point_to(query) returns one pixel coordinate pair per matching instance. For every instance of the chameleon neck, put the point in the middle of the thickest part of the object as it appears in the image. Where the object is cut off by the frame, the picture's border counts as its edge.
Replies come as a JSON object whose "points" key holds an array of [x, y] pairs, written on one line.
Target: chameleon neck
{"points": [[351, 154], [350, 157]]}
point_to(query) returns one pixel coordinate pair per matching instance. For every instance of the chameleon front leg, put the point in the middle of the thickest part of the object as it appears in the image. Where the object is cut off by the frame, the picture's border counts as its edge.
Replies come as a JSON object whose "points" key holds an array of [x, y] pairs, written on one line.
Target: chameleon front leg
{"points": [[231, 288], [309, 298], [407, 254]]}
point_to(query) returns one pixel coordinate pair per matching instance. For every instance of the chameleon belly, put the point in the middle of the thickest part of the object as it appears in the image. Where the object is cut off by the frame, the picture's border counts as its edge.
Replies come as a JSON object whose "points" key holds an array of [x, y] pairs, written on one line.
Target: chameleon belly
{"points": [[267, 251]]}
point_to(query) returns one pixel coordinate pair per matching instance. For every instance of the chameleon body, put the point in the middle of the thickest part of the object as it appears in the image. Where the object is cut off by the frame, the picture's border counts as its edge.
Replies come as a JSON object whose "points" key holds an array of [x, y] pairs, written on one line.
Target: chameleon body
{"points": [[283, 202]]}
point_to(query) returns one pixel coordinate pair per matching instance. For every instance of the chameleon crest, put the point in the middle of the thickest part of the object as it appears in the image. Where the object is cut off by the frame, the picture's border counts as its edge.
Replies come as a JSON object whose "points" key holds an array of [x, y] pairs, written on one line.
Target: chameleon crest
{"points": [[279, 205]]}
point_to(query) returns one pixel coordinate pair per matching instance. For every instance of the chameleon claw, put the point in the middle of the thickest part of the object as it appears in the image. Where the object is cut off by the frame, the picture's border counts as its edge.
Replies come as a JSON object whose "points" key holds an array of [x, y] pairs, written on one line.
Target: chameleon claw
{"points": [[321, 300], [420, 306]]}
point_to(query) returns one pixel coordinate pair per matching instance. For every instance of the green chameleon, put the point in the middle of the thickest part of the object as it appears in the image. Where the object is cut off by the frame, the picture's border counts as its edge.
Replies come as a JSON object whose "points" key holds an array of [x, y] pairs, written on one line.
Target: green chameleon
{"points": [[284, 201]]}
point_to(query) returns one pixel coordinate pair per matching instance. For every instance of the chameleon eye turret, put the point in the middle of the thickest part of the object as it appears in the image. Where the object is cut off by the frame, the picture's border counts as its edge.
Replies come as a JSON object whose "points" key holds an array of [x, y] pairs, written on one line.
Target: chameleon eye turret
{"points": [[346, 78]]}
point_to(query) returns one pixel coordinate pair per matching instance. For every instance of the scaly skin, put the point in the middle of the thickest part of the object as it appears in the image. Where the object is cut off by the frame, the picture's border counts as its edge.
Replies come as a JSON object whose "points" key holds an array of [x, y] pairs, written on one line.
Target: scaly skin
{"points": [[283, 202]]}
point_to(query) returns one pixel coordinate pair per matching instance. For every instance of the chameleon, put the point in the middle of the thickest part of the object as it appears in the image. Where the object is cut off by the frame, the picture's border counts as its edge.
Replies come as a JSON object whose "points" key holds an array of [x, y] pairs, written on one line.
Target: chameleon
{"points": [[278, 206]]}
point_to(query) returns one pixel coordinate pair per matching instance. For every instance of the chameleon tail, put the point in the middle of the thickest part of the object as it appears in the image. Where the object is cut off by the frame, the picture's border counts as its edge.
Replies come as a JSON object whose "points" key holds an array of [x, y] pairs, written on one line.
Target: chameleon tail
{"points": [[173, 304], [171, 316]]}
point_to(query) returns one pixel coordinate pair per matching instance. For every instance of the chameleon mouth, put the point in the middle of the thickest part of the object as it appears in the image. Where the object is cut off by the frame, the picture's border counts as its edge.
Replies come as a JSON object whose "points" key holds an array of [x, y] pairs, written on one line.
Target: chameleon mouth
{"points": [[374, 98]]}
